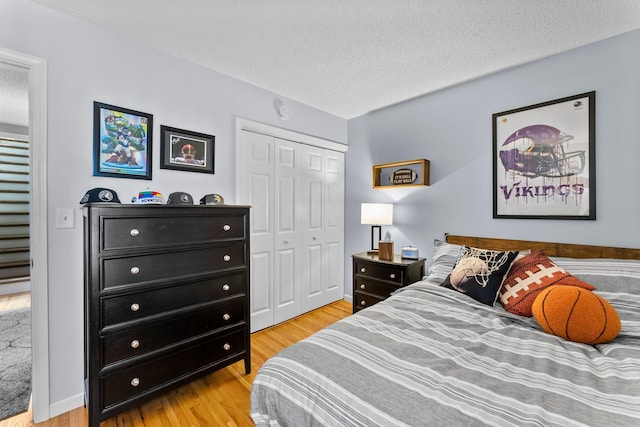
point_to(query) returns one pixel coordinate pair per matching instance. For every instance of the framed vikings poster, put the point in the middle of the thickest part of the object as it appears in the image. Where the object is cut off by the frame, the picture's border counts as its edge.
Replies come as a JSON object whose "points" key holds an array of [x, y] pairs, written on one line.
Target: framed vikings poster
{"points": [[186, 150], [544, 160], [121, 142]]}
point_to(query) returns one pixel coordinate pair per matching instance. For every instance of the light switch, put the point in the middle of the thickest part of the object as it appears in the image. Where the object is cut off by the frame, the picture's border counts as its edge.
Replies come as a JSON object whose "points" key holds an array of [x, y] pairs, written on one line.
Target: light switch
{"points": [[64, 218]]}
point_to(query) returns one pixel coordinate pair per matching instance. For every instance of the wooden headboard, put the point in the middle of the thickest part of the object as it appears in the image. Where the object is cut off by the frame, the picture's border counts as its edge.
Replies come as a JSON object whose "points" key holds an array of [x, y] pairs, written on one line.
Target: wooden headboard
{"points": [[551, 249]]}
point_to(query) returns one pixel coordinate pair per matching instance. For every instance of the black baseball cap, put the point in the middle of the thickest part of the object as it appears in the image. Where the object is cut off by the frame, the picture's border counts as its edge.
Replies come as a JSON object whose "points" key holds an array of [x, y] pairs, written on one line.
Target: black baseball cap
{"points": [[180, 198], [100, 195]]}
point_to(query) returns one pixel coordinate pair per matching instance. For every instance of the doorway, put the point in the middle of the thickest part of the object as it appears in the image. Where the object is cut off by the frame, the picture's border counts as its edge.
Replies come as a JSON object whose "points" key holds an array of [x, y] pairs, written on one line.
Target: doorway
{"points": [[37, 128]]}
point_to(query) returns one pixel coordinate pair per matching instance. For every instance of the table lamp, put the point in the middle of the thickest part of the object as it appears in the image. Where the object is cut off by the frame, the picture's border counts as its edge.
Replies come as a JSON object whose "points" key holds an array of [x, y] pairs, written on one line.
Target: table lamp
{"points": [[376, 215]]}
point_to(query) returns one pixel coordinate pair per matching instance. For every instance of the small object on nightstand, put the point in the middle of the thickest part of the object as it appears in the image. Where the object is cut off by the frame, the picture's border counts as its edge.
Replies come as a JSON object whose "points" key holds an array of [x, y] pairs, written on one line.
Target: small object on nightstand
{"points": [[385, 251], [409, 252]]}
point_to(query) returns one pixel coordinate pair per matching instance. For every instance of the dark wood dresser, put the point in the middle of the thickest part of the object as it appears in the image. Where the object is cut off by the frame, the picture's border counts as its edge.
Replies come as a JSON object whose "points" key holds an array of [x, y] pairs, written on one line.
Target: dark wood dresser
{"points": [[166, 299], [375, 279]]}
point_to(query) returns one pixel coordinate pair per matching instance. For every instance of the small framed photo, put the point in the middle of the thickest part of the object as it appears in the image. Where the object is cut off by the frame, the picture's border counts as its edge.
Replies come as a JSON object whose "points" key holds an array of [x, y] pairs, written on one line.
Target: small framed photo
{"points": [[544, 160], [186, 150], [122, 142]]}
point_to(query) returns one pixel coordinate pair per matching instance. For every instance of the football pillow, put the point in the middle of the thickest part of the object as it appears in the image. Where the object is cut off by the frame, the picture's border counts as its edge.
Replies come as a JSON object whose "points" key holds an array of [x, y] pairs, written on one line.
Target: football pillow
{"points": [[528, 277]]}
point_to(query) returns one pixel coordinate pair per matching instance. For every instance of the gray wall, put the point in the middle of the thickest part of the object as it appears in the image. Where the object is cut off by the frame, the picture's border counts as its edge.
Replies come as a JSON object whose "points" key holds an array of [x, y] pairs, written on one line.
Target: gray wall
{"points": [[87, 64], [452, 128]]}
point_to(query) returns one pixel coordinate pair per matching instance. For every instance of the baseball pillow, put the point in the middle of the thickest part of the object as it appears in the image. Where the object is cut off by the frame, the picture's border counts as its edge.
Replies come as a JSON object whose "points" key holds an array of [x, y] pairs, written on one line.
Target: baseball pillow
{"points": [[528, 277]]}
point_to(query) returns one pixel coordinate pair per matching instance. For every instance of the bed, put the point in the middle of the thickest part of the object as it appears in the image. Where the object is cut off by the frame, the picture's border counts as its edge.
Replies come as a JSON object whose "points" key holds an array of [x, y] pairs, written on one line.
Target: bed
{"points": [[431, 356]]}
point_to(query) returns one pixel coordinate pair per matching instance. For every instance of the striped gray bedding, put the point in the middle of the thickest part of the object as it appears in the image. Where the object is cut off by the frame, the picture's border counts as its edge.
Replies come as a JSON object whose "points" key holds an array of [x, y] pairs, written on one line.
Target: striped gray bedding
{"points": [[429, 356]]}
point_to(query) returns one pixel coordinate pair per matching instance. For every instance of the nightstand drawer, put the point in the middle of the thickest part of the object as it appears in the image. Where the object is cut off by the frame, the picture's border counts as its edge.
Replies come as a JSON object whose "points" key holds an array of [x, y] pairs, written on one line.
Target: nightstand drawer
{"points": [[373, 287], [375, 279], [379, 271], [362, 300]]}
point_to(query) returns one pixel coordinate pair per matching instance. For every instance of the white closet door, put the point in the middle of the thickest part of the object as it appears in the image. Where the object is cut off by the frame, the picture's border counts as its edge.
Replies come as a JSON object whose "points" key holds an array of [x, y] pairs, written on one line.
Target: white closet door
{"points": [[334, 226], [287, 238], [313, 275], [256, 188], [296, 193]]}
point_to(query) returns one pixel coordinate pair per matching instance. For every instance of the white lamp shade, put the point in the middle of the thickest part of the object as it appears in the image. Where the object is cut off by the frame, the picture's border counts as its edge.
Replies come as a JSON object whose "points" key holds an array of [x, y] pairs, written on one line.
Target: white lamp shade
{"points": [[376, 213]]}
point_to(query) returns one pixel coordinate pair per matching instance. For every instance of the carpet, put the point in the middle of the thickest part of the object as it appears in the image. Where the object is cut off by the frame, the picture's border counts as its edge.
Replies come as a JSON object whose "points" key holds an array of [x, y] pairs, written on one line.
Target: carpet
{"points": [[15, 361]]}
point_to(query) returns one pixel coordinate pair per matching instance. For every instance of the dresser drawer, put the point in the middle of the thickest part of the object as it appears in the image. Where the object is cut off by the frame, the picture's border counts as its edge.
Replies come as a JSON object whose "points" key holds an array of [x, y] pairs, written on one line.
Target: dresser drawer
{"points": [[138, 379], [142, 232], [144, 268], [379, 271], [137, 305], [374, 287], [142, 339], [362, 300]]}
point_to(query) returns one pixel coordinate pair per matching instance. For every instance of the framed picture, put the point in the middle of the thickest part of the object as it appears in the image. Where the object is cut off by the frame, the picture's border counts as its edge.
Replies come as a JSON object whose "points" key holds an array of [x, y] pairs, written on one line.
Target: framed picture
{"points": [[122, 142], [185, 150], [544, 160]]}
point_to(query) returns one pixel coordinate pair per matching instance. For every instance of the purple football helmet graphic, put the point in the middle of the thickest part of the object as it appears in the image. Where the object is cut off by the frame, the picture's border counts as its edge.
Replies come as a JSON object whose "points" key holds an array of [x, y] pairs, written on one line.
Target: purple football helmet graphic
{"points": [[538, 150]]}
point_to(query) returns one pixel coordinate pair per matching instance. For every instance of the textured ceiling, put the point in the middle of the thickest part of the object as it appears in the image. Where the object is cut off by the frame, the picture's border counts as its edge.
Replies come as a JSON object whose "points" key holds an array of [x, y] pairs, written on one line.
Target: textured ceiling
{"points": [[349, 57]]}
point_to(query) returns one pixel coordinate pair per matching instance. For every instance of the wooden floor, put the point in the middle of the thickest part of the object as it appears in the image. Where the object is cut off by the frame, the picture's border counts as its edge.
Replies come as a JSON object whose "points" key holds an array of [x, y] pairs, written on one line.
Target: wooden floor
{"points": [[14, 301], [219, 399]]}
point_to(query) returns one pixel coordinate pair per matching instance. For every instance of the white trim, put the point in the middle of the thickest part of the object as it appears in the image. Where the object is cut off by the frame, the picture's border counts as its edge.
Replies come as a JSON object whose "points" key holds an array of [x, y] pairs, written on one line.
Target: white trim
{"points": [[250, 125], [16, 287], [10, 135], [38, 228], [69, 404]]}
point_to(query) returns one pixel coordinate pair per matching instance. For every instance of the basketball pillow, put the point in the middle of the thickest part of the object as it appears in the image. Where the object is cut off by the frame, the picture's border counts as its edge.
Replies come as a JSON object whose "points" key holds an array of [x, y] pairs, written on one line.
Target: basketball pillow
{"points": [[479, 273], [576, 314]]}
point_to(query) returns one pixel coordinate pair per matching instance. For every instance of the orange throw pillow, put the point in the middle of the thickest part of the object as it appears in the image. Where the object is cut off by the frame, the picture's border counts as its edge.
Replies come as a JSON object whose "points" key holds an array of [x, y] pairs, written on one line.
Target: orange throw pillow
{"points": [[527, 277], [576, 314]]}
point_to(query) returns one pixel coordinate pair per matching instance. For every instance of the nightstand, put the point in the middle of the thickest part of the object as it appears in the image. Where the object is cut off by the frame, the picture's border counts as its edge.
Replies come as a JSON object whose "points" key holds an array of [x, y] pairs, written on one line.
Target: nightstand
{"points": [[375, 279]]}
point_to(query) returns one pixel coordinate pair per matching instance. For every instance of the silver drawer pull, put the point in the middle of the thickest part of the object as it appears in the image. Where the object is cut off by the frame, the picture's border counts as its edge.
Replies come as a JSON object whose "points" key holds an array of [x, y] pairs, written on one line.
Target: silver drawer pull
{"points": [[363, 302], [135, 344], [363, 270], [135, 306], [134, 232], [392, 275], [226, 347], [135, 382], [362, 286], [227, 258], [226, 316], [226, 287], [226, 227], [135, 270]]}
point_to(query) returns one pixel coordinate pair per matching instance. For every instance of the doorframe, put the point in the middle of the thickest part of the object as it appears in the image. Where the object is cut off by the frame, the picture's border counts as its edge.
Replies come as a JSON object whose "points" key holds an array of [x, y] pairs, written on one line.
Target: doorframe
{"points": [[250, 125], [38, 233]]}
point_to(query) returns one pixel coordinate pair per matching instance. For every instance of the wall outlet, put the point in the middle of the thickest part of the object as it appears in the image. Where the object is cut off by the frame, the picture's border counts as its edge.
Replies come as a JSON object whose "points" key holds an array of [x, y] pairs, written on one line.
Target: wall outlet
{"points": [[65, 218]]}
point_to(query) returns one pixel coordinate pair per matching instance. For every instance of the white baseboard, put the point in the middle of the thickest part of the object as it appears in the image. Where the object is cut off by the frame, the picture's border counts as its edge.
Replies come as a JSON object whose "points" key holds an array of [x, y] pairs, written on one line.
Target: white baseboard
{"points": [[348, 298], [66, 405], [15, 287]]}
